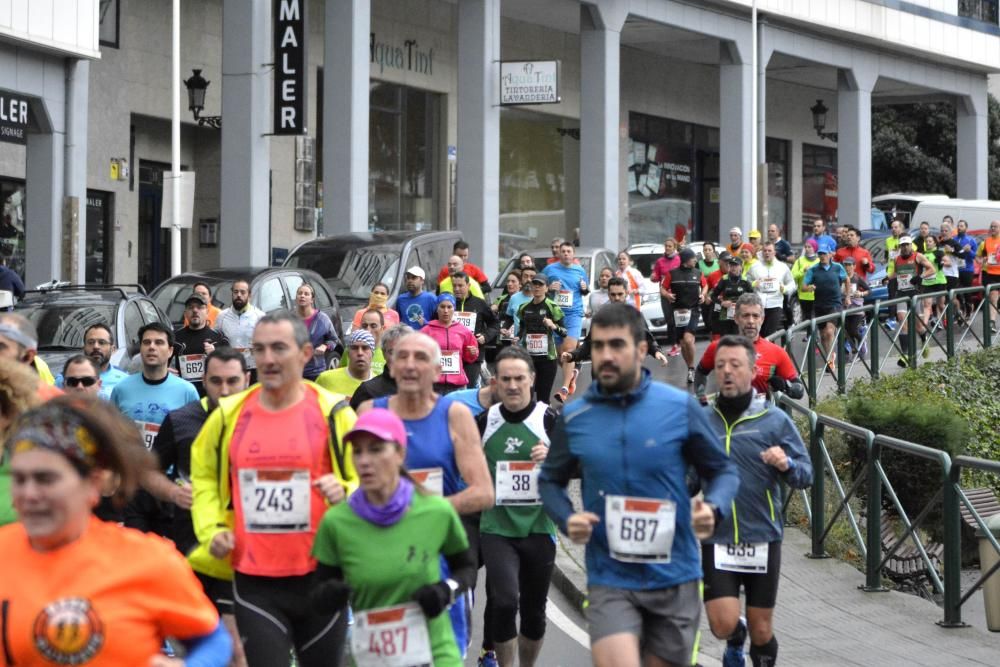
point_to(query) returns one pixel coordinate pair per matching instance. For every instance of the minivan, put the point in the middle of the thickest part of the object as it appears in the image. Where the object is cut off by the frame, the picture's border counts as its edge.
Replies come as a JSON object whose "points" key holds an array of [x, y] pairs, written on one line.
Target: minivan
{"points": [[979, 213], [352, 263]]}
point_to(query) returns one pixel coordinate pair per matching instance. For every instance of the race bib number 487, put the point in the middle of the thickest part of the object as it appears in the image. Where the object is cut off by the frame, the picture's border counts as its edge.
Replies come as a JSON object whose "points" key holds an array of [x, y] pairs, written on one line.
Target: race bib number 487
{"points": [[391, 637]]}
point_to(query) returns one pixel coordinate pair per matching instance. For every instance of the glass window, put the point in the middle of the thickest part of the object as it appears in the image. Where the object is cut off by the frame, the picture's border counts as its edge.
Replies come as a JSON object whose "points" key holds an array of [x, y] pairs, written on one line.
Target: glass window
{"points": [[133, 322], [109, 18], [270, 296], [819, 185], [350, 271], [149, 312], [293, 281], [403, 148], [981, 10], [12, 198], [98, 268], [62, 325], [777, 184]]}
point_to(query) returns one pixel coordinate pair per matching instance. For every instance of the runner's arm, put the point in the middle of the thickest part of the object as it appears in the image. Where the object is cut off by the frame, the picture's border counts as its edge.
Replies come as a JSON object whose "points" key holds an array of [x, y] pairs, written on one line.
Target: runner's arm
{"points": [[343, 420], [800, 471], [788, 282], [703, 450], [207, 512], [559, 466], [212, 650], [491, 325], [478, 494]]}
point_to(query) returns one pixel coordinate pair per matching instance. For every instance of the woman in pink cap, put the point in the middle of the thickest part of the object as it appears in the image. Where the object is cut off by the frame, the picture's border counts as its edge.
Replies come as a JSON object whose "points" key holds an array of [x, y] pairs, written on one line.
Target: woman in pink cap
{"points": [[381, 552]]}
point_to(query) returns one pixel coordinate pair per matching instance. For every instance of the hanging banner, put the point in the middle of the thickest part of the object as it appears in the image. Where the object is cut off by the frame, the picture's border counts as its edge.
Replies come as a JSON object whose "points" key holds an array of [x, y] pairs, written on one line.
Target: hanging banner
{"points": [[289, 67], [529, 82]]}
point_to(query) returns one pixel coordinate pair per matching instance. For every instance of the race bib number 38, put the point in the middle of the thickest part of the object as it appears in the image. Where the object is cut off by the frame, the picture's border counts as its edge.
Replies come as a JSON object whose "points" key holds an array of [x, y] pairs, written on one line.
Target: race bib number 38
{"points": [[275, 501], [391, 637], [517, 483], [748, 558], [640, 530]]}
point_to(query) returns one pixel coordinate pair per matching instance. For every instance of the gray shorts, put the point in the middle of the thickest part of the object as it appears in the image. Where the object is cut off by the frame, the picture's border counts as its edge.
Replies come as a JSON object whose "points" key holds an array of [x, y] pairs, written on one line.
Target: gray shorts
{"points": [[665, 620]]}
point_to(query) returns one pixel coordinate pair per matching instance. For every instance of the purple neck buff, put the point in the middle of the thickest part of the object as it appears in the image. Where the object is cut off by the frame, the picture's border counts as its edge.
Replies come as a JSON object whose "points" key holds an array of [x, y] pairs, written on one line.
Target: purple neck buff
{"points": [[383, 515]]}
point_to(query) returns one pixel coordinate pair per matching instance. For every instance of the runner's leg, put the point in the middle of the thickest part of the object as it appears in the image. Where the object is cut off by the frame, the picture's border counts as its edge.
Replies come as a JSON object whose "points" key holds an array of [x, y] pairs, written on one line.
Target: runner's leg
{"points": [[537, 554], [502, 564], [265, 629]]}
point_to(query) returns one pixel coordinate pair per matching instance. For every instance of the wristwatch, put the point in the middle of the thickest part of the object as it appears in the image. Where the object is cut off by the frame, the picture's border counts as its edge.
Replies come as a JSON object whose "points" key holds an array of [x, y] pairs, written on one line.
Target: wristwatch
{"points": [[453, 587]]}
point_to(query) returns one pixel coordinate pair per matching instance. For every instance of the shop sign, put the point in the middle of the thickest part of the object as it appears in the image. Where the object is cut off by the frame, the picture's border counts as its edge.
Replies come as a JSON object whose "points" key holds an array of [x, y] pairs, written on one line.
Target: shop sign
{"points": [[529, 82], [289, 67], [408, 57], [14, 118]]}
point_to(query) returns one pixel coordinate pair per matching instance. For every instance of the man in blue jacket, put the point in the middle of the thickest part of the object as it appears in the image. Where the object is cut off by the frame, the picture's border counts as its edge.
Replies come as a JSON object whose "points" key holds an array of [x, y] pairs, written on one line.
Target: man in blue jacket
{"points": [[633, 440], [746, 548]]}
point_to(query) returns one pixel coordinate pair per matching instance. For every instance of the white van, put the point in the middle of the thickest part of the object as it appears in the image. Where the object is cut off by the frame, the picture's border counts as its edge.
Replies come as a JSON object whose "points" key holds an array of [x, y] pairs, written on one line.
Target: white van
{"points": [[977, 212], [903, 205]]}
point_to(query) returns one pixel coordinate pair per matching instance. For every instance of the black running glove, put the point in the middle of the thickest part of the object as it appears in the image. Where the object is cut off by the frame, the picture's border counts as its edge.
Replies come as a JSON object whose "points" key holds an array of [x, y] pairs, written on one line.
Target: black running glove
{"points": [[433, 598]]}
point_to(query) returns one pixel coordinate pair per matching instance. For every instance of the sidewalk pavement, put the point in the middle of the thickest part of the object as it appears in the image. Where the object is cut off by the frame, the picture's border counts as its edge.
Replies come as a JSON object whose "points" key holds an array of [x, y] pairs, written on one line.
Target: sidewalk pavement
{"points": [[823, 619]]}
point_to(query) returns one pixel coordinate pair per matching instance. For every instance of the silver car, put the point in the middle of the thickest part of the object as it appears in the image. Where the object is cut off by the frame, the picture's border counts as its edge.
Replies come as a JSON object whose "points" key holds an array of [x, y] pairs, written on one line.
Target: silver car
{"points": [[644, 256]]}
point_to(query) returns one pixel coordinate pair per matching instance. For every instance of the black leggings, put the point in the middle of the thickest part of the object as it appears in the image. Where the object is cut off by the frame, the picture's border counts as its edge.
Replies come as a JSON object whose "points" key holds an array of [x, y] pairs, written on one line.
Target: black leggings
{"points": [[668, 315], [545, 376], [273, 618], [518, 571]]}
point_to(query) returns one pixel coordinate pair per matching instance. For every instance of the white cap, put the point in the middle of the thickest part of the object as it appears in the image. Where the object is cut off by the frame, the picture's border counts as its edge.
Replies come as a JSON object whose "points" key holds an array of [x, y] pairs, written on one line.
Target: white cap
{"points": [[905, 239], [416, 271], [736, 230]]}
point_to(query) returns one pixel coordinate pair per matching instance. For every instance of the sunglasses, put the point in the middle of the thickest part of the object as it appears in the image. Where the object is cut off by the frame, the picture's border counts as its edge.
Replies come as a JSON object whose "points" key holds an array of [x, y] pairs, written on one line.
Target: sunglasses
{"points": [[86, 381]]}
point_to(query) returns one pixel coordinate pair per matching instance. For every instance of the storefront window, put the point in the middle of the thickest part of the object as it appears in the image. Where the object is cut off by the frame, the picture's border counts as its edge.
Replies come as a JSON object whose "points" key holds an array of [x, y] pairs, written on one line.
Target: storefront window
{"points": [[12, 224], [403, 155], [819, 185], [672, 179], [532, 180], [777, 184], [98, 268]]}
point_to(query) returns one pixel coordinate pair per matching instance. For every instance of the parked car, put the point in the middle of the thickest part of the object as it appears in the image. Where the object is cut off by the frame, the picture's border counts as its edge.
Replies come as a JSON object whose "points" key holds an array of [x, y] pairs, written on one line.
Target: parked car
{"points": [[271, 288], [593, 261], [352, 263], [62, 314]]}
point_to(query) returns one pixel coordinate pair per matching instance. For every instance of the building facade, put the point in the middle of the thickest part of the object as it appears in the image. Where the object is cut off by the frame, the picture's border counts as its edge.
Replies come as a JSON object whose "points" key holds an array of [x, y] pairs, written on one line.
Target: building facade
{"points": [[665, 107]]}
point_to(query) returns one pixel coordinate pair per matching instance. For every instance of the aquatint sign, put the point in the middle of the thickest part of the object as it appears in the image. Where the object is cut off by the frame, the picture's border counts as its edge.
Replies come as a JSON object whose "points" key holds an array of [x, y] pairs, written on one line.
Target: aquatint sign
{"points": [[289, 67], [529, 82], [14, 117]]}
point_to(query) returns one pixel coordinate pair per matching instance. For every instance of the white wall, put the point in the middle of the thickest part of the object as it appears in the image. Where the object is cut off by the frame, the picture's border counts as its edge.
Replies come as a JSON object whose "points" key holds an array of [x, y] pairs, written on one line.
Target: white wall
{"points": [[67, 26]]}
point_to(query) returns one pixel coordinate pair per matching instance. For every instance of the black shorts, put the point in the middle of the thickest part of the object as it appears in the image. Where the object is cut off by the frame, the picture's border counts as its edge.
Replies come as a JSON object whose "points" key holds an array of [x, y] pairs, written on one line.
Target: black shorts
{"points": [[990, 279], [952, 282], [761, 590], [965, 278], [692, 326], [820, 311], [219, 591]]}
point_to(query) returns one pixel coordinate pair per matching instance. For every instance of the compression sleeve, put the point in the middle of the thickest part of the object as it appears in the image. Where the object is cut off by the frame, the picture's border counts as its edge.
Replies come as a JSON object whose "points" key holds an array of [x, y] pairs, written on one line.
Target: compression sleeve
{"points": [[211, 650], [556, 471]]}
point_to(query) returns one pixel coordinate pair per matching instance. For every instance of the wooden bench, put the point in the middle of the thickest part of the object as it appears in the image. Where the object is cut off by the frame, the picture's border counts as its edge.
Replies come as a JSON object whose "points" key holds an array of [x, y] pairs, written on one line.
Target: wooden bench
{"points": [[906, 568], [985, 502]]}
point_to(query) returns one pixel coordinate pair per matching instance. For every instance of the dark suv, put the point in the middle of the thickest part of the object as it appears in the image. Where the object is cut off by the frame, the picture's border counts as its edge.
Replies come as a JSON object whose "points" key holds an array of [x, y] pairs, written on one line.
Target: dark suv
{"points": [[63, 313]]}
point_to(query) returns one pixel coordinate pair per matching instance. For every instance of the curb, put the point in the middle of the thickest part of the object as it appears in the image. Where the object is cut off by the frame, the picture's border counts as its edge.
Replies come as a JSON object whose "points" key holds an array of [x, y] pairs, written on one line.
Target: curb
{"points": [[566, 574]]}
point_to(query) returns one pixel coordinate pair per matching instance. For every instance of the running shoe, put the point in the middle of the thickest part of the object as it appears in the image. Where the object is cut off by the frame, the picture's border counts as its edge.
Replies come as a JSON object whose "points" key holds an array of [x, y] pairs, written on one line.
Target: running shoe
{"points": [[571, 385], [734, 656], [690, 376], [891, 324], [902, 363], [675, 350], [562, 395], [488, 659]]}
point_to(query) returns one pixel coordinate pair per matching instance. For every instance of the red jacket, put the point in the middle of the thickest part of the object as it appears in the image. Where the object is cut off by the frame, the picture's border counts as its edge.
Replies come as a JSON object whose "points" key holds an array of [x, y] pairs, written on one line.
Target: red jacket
{"points": [[452, 339], [859, 254], [470, 269]]}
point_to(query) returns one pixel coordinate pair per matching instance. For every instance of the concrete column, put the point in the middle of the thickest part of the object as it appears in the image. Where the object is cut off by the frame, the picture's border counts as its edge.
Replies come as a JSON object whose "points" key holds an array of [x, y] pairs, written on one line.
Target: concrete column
{"points": [[600, 162], [345, 116], [44, 197], [478, 180], [972, 143], [736, 174], [245, 225], [77, 81], [854, 146]]}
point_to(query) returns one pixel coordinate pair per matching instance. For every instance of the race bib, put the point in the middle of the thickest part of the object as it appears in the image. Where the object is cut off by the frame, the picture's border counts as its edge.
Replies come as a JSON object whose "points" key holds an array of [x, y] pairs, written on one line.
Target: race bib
{"points": [[192, 366], [768, 285], [517, 483], [893, 254], [731, 313], [275, 501], [431, 479], [450, 363], [536, 343], [682, 317], [148, 431], [992, 260], [639, 530], [467, 320], [749, 558], [564, 298], [391, 637], [904, 281], [247, 356]]}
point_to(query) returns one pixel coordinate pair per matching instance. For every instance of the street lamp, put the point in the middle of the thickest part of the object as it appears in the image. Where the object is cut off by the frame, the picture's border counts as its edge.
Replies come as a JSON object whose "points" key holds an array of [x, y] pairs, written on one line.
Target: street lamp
{"points": [[819, 121], [196, 87]]}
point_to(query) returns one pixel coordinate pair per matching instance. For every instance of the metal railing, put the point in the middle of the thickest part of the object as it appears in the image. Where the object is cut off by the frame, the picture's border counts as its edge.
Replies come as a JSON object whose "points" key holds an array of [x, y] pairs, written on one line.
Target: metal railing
{"points": [[821, 362]]}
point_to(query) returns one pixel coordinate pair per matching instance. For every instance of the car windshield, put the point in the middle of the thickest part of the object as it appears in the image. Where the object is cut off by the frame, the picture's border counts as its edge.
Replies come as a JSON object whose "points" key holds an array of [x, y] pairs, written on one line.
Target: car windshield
{"points": [[62, 325], [171, 296], [350, 271], [644, 261]]}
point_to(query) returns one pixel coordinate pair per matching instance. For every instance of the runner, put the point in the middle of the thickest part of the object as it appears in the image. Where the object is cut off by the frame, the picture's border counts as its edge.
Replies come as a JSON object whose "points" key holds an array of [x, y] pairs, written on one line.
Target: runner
{"points": [[775, 370], [477, 400], [633, 279], [81, 376], [206, 293], [808, 260], [19, 342], [661, 269], [378, 299], [456, 265], [479, 318], [989, 251], [460, 249], [522, 297], [685, 288], [599, 296], [457, 343], [540, 320], [443, 450], [366, 550], [745, 550], [18, 386], [856, 290], [632, 441], [569, 281], [730, 288], [237, 322], [99, 345], [322, 334], [225, 374], [79, 590], [346, 379], [826, 281], [415, 306], [373, 322], [264, 467], [198, 339], [382, 384], [773, 281], [517, 538], [499, 307], [735, 241], [909, 269], [967, 267], [892, 247]]}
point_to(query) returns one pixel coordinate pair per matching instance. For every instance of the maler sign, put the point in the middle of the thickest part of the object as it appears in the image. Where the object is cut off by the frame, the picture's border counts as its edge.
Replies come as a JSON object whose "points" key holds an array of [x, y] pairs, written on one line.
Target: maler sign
{"points": [[13, 118], [289, 67]]}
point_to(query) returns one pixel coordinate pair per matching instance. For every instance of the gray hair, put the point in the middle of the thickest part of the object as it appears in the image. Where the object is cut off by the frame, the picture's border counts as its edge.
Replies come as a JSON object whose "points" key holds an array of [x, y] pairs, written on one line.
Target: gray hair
{"points": [[749, 299], [24, 332], [393, 334], [432, 345], [299, 330]]}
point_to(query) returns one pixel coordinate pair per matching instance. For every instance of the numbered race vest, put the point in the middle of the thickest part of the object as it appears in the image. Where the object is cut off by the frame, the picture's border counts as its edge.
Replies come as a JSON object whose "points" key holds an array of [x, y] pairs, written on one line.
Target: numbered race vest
{"points": [[518, 511], [906, 273], [686, 285]]}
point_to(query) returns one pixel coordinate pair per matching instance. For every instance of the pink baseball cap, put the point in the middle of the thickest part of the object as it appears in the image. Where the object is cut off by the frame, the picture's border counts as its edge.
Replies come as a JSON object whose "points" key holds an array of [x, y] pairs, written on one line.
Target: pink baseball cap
{"points": [[382, 424]]}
